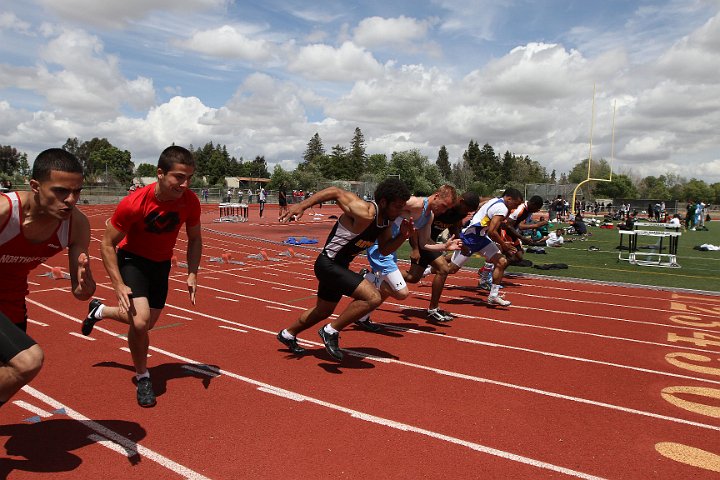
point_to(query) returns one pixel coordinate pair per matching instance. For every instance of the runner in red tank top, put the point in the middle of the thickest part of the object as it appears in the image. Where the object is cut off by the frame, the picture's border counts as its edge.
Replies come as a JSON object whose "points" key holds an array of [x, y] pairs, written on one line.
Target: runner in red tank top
{"points": [[144, 229], [34, 226]]}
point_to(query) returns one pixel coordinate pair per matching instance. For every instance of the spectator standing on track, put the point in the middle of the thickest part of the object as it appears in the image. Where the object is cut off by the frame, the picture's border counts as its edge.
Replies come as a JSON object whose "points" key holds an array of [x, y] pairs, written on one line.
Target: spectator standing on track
{"points": [[262, 196], [282, 201], [360, 224], [482, 236], [35, 226], [144, 229]]}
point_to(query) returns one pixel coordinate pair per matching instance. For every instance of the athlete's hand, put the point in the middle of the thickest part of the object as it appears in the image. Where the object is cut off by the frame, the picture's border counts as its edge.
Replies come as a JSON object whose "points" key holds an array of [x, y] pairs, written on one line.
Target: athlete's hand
{"points": [[124, 294], [294, 212], [453, 243], [407, 227], [415, 255], [84, 276], [192, 286]]}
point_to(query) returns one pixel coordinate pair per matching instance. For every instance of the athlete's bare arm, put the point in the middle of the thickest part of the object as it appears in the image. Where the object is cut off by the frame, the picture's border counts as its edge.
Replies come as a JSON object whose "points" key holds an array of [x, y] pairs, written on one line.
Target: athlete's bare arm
{"points": [[387, 244], [194, 254], [493, 231], [359, 212], [83, 284], [110, 240]]}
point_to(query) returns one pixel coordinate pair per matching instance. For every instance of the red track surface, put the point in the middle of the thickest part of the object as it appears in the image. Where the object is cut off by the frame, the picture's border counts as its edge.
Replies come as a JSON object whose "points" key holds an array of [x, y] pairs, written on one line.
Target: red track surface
{"points": [[573, 380]]}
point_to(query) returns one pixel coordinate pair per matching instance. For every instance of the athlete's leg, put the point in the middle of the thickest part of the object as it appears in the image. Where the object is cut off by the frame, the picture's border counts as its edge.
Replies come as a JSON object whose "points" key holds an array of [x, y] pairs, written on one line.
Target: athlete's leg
{"points": [[322, 310], [19, 371]]}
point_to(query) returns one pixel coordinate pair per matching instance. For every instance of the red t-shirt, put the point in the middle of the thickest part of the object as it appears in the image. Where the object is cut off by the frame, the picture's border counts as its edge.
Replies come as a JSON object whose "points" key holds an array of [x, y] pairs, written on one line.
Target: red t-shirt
{"points": [[151, 227]]}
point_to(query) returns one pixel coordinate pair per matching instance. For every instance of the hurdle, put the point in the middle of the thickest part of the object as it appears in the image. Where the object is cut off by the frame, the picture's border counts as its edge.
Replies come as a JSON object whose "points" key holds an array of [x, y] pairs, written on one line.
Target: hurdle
{"points": [[650, 259], [233, 212]]}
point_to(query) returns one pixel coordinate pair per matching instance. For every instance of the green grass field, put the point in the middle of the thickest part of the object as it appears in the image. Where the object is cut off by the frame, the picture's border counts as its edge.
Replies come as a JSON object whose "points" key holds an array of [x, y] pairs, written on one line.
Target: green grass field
{"points": [[699, 270]]}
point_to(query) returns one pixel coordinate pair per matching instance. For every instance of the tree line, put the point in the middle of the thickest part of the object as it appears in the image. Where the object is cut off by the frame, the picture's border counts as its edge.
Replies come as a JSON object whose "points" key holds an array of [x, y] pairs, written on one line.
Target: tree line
{"points": [[480, 169]]}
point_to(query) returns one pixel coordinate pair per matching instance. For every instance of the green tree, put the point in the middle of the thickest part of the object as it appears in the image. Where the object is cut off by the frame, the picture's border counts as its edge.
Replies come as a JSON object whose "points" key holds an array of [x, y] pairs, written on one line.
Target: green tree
{"points": [[462, 175], [698, 190], [443, 163], [309, 178], [471, 157], [9, 160], [621, 186], [336, 166], [654, 188], [146, 170], [553, 177], [280, 178], [314, 150], [377, 165], [116, 165], [356, 157], [258, 168], [489, 167], [415, 170], [87, 154], [598, 169]]}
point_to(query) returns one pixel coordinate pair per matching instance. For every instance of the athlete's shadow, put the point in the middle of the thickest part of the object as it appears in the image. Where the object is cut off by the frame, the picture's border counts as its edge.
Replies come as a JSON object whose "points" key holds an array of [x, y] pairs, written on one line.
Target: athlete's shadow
{"points": [[46, 445], [410, 314], [160, 374]]}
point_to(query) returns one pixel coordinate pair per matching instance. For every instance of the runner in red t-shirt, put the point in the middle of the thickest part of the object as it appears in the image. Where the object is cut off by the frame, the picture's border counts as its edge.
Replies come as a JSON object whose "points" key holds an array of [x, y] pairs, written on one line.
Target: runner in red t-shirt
{"points": [[34, 226], [144, 229]]}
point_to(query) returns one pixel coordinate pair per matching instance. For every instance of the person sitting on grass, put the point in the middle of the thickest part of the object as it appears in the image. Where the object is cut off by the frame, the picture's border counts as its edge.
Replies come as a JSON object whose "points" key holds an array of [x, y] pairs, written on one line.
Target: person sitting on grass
{"points": [[579, 225], [629, 223], [555, 239]]}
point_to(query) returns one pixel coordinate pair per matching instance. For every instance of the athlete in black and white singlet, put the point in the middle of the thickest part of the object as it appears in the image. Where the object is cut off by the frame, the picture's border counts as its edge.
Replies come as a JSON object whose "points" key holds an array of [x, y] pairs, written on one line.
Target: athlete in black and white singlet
{"points": [[342, 245]]}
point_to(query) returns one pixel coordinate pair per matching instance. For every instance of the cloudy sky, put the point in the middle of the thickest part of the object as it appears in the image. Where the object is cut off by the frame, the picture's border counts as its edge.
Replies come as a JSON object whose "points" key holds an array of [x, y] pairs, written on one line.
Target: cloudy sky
{"points": [[263, 76]]}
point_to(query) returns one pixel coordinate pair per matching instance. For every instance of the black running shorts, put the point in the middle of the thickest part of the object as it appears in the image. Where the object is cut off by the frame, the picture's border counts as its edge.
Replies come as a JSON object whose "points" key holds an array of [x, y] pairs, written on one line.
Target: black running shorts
{"points": [[13, 340], [335, 280], [145, 278], [427, 257]]}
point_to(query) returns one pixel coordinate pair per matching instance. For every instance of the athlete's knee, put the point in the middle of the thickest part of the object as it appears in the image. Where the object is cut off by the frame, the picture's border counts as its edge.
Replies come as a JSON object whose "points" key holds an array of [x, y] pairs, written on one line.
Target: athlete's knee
{"points": [[27, 364], [500, 261], [374, 299], [401, 294]]}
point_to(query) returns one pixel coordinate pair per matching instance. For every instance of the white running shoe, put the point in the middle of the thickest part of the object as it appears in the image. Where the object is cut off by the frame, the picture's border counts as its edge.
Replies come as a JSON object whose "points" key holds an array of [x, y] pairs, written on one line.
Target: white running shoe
{"points": [[498, 300]]}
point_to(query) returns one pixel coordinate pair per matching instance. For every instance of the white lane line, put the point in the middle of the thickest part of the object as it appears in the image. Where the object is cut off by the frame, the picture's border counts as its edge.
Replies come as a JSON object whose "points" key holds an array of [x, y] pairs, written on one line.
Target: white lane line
{"points": [[117, 438], [282, 289], [35, 322], [115, 447], [283, 309], [32, 408], [228, 299], [233, 328], [178, 316], [298, 397], [474, 378], [126, 349], [79, 335], [490, 344]]}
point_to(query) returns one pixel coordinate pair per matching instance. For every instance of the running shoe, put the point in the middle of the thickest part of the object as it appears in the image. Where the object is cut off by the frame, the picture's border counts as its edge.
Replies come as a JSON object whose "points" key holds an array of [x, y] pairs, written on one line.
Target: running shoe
{"points": [[498, 300], [90, 320], [292, 344], [437, 315], [331, 343], [484, 285], [368, 325], [145, 393]]}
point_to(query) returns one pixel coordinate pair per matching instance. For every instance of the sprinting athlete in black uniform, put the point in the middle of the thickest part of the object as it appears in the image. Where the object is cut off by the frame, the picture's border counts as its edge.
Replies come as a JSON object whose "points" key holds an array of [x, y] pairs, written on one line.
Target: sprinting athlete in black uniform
{"points": [[357, 228]]}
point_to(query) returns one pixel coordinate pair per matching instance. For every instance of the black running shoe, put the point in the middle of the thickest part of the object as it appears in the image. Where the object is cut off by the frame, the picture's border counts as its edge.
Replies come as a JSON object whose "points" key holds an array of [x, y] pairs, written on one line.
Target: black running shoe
{"points": [[145, 393], [368, 325], [90, 320], [331, 343], [291, 344]]}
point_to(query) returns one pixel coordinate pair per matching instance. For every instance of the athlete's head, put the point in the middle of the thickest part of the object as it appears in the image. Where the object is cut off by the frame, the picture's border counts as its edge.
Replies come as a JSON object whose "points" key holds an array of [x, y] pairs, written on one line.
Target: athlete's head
{"points": [[512, 198], [57, 178], [176, 167], [444, 198], [468, 202], [391, 196], [535, 203]]}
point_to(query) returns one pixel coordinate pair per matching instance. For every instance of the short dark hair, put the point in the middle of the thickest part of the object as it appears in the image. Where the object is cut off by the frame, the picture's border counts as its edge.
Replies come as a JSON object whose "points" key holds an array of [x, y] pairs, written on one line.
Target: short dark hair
{"points": [[175, 154], [471, 200], [536, 200], [513, 193], [54, 159], [392, 190]]}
